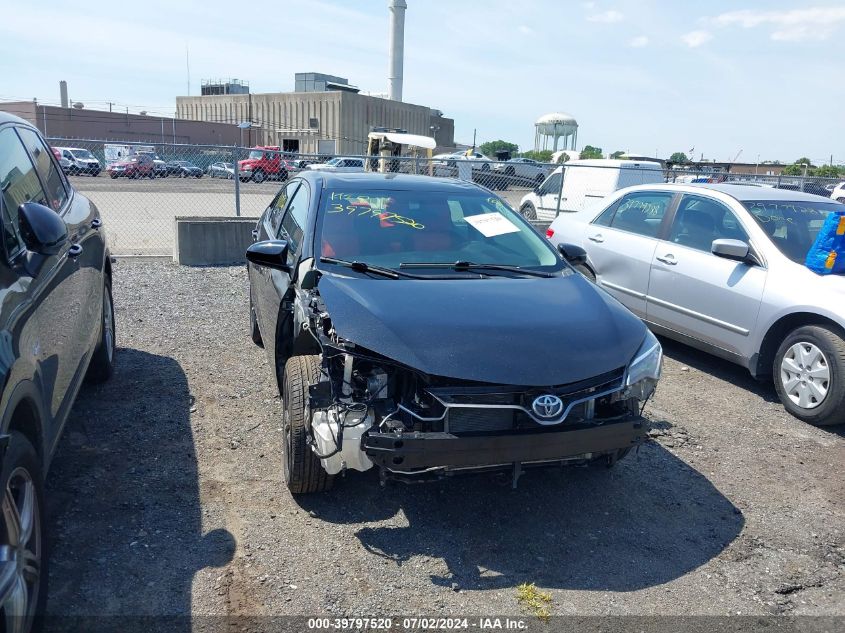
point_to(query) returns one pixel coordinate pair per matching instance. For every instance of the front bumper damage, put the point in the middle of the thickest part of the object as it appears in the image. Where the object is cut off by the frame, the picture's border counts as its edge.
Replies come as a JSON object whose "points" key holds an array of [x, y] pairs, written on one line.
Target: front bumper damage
{"points": [[410, 453]]}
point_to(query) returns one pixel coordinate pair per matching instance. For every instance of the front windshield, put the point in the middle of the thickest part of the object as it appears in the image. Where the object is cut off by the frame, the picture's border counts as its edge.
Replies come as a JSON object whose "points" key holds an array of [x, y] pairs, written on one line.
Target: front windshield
{"points": [[389, 228], [333, 161], [82, 153], [256, 154], [792, 226]]}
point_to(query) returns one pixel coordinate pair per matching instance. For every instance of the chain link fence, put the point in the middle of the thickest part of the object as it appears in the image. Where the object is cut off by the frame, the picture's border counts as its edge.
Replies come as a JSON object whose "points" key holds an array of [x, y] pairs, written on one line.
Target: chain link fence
{"points": [[140, 188]]}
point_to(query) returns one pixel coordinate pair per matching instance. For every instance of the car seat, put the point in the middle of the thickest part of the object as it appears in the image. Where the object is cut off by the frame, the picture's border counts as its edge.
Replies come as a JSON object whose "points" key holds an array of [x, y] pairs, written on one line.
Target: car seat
{"points": [[699, 229]]}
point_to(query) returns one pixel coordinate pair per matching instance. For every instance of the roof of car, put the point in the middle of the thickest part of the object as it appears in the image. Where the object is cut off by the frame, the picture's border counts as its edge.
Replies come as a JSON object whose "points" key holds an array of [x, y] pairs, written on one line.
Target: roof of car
{"points": [[5, 117], [398, 182], [745, 192]]}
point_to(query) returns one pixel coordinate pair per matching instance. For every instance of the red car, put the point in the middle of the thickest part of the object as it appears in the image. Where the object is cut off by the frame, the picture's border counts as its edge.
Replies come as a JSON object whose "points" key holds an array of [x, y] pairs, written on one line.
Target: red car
{"points": [[263, 163], [137, 166]]}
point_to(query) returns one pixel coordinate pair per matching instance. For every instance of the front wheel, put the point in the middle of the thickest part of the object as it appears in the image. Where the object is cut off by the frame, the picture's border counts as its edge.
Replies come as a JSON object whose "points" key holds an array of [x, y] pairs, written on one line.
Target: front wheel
{"points": [[528, 211], [258, 176], [302, 469], [23, 570], [102, 362], [809, 375]]}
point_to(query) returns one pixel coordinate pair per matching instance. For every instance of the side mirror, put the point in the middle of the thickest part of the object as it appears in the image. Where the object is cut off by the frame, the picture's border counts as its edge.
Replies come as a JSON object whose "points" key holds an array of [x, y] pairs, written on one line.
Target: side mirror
{"points": [[730, 249], [42, 230], [572, 253], [270, 253]]}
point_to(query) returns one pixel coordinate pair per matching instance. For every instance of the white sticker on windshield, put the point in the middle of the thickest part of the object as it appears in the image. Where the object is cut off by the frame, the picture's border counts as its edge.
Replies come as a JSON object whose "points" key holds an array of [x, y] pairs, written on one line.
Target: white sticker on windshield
{"points": [[492, 224]]}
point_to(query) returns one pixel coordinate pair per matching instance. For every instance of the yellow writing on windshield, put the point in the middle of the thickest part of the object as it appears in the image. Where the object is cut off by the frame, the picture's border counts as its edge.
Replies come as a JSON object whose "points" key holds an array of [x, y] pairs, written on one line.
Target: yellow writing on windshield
{"points": [[369, 206]]}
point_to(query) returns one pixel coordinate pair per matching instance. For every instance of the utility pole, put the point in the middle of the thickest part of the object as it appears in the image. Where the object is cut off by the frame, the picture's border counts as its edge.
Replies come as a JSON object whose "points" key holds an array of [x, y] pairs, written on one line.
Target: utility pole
{"points": [[111, 103], [473, 139]]}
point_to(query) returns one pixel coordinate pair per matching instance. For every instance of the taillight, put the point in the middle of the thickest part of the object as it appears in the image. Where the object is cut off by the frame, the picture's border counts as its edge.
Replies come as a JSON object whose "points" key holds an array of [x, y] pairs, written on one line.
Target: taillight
{"points": [[550, 232]]}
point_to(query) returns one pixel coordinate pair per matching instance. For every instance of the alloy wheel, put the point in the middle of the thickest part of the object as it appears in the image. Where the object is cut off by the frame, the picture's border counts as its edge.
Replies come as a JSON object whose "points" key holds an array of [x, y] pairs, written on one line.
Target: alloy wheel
{"points": [[805, 375], [20, 552]]}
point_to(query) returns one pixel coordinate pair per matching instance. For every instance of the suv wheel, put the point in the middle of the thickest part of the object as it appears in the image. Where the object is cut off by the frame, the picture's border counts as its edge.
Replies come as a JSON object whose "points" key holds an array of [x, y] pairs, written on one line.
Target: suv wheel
{"points": [[258, 176], [302, 469], [23, 579], [528, 211], [809, 374], [102, 362]]}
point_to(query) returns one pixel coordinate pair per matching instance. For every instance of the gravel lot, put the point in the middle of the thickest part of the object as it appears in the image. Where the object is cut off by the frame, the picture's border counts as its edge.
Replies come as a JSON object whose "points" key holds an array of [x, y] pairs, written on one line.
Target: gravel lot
{"points": [[166, 496]]}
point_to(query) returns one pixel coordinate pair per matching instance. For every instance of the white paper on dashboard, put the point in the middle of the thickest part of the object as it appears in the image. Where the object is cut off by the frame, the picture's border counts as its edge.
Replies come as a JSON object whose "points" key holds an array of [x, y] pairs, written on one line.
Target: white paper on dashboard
{"points": [[491, 224]]}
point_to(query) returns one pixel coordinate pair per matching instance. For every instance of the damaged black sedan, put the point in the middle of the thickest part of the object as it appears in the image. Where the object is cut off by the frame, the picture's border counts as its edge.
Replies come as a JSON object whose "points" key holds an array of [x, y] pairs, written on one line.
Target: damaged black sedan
{"points": [[421, 326]]}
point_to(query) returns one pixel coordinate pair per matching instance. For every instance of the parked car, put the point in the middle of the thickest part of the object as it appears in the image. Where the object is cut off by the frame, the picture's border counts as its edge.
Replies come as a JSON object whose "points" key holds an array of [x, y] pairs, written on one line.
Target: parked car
{"points": [[263, 162], [187, 170], [57, 325], [340, 164], [423, 327], [79, 161], [447, 164], [721, 267], [526, 168], [137, 166], [221, 170], [585, 184], [160, 168], [838, 192], [300, 163]]}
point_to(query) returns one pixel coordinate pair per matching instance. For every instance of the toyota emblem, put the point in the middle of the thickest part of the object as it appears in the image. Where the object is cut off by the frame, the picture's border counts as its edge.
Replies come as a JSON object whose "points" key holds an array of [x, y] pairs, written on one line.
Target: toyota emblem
{"points": [[547, 407]]}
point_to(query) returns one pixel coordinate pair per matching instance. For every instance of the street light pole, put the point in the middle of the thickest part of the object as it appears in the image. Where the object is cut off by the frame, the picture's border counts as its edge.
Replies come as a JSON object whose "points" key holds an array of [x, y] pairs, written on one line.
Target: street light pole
{"points": [[243, 125]]}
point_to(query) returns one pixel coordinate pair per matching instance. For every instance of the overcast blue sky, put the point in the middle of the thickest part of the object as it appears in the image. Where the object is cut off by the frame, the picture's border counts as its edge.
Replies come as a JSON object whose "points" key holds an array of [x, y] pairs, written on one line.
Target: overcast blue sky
{"points": [[641, 75]]}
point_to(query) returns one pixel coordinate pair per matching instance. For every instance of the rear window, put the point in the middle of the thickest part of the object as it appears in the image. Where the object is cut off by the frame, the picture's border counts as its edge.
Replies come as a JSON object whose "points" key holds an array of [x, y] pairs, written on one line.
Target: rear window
{"points": [[792, 226]]}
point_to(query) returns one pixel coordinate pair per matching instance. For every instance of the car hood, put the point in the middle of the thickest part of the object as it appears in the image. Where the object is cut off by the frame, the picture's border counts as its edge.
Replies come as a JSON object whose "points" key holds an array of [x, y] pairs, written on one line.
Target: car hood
{"points": [[524, 331]]}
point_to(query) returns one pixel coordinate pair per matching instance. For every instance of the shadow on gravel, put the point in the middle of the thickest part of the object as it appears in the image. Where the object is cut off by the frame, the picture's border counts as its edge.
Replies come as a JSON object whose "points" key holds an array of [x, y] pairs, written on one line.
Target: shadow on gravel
{"points": [[124, 515], [648, 521], [720, 368]]}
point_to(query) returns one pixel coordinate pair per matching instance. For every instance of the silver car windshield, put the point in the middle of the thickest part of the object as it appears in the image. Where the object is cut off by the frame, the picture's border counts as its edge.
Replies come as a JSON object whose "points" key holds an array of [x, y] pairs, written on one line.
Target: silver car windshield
{"points": [[389, 228], [792, 226], [82, 153]]}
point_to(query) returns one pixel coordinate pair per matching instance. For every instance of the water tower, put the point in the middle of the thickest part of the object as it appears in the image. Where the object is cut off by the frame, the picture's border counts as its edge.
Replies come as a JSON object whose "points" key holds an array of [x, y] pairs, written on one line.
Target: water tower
{"points": [[556, 125]]}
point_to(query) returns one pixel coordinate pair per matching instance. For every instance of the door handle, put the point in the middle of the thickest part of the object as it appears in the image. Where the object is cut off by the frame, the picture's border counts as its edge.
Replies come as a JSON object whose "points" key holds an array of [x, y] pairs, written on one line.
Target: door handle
{"points": [[667, 259], [598, 237], [74, 251]]}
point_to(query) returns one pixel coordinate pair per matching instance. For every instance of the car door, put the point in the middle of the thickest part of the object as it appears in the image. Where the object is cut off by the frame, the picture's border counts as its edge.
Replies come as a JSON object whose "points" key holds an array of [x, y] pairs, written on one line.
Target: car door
{"points": [[620, 244], [262, 295], [699, 294], [547, 195], [47, 280]]}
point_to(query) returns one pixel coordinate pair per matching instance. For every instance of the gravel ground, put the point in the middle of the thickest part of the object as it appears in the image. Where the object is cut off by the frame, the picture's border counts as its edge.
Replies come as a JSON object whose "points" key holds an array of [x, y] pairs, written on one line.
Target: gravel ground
{"points": [[166, 496]]}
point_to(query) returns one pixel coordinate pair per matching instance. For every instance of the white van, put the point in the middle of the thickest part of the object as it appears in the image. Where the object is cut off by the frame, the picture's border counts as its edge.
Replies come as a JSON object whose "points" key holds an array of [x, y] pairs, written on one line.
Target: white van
{"points": [[586, 182]]}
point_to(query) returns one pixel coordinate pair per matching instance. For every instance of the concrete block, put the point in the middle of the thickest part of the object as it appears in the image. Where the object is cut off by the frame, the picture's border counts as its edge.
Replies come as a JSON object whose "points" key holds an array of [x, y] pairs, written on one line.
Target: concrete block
{"points": [[210, 241]]}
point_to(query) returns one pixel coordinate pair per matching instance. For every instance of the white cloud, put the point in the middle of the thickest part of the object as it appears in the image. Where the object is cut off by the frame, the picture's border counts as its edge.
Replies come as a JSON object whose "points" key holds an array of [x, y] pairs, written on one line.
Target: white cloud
{"points": [[793, 25], [639, 42], [606, 17], [525, 29], [694, 39], [588, 5]]}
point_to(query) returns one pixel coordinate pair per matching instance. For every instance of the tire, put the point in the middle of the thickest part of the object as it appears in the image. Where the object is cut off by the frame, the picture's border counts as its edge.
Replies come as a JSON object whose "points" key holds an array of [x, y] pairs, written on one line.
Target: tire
{"points": [[113, 176], [198, 175], [102, 361], [254, 331], [585, 270], [22, 480], [258, 176], [528, 211], [817, 355], [302, 470], [152, 175], [95, 174]]}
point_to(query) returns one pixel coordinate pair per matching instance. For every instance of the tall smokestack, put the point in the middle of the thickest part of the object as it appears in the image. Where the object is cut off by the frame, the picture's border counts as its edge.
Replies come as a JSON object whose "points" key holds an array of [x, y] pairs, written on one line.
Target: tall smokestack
{"points": [[397, 47], [63, 93]]}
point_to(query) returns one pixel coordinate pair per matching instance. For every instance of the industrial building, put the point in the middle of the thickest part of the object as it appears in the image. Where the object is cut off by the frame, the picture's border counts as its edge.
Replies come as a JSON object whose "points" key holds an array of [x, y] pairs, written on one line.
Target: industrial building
{"points": [[326, 115], [83, 123]]}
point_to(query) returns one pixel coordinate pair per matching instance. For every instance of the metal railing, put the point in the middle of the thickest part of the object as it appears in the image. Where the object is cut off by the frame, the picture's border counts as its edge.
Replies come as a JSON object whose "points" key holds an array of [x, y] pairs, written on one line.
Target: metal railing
{"points": [[140, 188]]}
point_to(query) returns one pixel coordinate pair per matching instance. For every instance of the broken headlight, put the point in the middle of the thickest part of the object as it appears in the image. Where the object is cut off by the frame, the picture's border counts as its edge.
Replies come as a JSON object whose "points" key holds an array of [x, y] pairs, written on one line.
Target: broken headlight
{"points": [[644, 371]]}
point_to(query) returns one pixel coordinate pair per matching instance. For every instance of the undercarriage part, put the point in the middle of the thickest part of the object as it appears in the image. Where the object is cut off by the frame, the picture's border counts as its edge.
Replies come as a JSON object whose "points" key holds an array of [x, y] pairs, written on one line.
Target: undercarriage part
{"points": [[337, 438]]}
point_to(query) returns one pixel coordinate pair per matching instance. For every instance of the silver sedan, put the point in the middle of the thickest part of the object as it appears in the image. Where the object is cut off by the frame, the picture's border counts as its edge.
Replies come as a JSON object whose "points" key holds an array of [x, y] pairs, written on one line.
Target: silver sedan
{"points": [[721, 268]]}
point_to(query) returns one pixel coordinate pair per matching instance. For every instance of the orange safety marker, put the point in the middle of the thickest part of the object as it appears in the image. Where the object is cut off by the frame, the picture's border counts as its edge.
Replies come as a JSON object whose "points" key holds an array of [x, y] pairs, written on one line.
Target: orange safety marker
{"points": [[840, 230], [831, 258]]}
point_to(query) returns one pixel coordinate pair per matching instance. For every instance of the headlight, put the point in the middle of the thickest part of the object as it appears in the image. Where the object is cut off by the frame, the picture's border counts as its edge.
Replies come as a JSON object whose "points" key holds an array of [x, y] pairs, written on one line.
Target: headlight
{"points": [[644, 370]]}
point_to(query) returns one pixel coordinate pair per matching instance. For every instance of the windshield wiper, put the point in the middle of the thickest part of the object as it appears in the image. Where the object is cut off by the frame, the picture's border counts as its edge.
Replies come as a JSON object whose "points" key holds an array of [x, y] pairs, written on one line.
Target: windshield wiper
{"points": [[464, 265], [363, 267]]}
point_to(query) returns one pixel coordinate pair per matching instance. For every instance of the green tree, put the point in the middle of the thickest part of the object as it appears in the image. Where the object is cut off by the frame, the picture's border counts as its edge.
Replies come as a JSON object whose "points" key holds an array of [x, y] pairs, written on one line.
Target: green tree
{"points": [[679, 158], [828, 171], [491, 147], [591, 152], [793, 170], [543, 156], [804, 161], [618, 153]]}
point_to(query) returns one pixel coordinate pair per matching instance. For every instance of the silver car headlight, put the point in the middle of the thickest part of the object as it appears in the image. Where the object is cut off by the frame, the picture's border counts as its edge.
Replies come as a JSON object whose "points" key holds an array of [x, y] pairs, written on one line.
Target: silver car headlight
{"points": [[644, 370]]}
